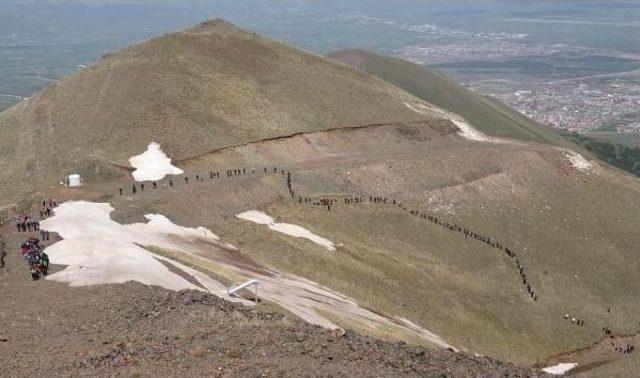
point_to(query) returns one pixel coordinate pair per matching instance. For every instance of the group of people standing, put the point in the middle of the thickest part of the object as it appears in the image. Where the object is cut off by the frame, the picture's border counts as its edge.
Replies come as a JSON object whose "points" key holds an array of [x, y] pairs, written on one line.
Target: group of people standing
{"points": [[31, 249], [36, 259], [26, 224]]}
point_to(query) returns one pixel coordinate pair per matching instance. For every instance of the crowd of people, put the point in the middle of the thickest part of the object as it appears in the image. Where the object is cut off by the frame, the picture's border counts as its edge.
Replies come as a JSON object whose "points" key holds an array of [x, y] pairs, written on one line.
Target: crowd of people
{"points": [[36, 259], [27, 223], [31, 249]]}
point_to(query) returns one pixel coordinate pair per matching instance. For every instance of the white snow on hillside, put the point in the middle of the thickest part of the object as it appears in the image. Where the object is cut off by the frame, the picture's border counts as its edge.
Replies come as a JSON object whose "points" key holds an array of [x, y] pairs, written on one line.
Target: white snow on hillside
{"points": [[153, 164], [98, 250], [560, 369], [465, 129], [578, 161], [286, 228]]}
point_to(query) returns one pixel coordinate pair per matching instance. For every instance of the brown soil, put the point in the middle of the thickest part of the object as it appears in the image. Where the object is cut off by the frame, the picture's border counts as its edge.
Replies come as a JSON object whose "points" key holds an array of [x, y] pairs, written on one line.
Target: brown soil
{"points": [[132, 329]]}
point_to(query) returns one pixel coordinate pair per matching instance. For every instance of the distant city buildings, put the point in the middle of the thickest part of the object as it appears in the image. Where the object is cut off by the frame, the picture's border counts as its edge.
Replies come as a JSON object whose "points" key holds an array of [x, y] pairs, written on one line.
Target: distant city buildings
{"points": [[597, 104]]}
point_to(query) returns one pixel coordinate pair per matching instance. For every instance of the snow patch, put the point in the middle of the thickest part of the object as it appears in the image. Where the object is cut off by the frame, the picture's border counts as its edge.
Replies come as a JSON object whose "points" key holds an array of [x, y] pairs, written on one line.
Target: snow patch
{"points": [[578, 161], [286, 228], [98, 250], [153, 164], [465, 129], [560, 368]]}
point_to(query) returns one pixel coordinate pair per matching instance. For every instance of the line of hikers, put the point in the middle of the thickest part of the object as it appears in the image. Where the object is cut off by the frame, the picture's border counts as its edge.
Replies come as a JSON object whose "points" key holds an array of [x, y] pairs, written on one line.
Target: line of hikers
{"points": [[328, 202], [37, 260], [199, 177]]}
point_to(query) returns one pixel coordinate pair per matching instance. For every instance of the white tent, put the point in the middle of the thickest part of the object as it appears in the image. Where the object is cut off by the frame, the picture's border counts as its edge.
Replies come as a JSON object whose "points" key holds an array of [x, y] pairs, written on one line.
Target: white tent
{"points": [[74, 180]]}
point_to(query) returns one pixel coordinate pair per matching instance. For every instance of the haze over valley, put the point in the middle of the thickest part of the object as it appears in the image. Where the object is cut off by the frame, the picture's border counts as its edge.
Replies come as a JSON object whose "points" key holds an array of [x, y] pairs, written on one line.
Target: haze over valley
{"points": [[306, 188]]}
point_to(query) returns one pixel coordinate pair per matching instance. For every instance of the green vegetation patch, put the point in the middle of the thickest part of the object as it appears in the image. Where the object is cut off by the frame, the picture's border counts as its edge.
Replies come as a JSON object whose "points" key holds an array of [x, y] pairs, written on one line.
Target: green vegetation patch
{"points": [[621, 156]]}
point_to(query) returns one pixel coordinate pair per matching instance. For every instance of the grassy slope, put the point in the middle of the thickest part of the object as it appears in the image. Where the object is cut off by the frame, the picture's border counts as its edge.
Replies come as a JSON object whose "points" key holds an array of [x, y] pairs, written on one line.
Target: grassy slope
{"points": [[580, 252], [486, 114], [208, 87]]}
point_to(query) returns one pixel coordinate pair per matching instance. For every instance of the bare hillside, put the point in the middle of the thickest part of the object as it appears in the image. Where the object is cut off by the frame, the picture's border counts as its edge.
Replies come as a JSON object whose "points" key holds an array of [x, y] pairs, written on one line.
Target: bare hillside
{"points": [[208, 87], [486, 114]]}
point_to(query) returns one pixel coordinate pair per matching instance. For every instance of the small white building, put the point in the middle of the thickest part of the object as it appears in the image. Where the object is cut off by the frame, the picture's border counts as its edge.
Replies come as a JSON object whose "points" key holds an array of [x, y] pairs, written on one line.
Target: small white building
{"points": [[74, 180]]}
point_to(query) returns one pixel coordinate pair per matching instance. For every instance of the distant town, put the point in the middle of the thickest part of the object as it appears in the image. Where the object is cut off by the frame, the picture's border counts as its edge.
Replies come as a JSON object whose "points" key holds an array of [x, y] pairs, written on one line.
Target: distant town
{"points": [[596, 104]]}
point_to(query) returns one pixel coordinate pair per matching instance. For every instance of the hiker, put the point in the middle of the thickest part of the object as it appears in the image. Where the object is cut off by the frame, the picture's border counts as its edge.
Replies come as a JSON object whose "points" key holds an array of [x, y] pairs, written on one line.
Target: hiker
{"points": [[44, 263], [155, 185], [133, 188], [171, 183], [118, 188], [34, 273], [186, 180], [142, 187]]}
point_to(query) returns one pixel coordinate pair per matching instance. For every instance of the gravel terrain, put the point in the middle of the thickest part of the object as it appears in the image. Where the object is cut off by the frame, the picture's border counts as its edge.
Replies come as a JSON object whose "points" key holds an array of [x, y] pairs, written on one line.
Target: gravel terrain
{"points": [[137, 330]]}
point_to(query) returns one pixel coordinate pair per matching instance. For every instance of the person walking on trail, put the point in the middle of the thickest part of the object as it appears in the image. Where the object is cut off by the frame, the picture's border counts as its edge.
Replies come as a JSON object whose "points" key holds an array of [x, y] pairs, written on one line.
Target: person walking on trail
{"points": [[2, 252], [120, 191]]}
